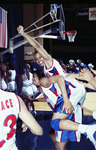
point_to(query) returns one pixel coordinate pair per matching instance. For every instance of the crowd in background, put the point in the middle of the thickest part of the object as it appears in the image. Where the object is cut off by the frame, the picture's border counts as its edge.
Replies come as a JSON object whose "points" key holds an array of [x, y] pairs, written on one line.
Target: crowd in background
{"points": [[27, 88]]}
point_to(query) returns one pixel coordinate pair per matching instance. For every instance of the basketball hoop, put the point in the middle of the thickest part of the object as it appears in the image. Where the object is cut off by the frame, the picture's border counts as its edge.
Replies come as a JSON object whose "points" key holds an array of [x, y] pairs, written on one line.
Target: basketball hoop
{"points": [[71, 35]]}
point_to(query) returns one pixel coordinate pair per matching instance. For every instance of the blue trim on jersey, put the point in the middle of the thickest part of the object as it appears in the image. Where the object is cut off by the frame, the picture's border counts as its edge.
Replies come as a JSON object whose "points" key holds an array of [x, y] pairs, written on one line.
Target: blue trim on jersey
{"points": [[58, 106], [54, 71], [53, 89], [67, 87]]}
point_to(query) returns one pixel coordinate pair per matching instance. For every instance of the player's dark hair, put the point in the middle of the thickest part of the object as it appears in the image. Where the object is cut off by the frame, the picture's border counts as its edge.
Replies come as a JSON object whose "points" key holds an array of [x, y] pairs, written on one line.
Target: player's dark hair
{"points": [[39, 73]]}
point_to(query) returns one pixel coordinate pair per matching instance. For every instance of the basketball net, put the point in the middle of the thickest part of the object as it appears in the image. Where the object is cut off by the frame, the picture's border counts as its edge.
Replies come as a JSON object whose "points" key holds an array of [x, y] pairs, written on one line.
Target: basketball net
{"points": [[71, 35]]}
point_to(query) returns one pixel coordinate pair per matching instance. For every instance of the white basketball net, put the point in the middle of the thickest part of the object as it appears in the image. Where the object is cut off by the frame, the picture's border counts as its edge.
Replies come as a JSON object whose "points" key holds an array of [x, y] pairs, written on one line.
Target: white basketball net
{"points": [[71, 35]]}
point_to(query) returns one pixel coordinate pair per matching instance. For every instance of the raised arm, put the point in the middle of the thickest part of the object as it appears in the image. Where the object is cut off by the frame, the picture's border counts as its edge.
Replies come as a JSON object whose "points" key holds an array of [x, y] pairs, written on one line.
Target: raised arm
{"points": [[29, 120], [34, 43]]}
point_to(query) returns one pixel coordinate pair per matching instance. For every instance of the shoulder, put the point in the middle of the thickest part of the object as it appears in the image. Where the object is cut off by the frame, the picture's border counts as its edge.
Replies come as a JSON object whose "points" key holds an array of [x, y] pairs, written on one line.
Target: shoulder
{"points": [[44, 81], [47, 81]]}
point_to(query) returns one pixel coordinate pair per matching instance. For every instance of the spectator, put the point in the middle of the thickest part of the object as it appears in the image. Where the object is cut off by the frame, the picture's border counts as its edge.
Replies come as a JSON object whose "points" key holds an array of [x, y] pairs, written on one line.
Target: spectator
{"points": [[28, 88], [10, 78]]}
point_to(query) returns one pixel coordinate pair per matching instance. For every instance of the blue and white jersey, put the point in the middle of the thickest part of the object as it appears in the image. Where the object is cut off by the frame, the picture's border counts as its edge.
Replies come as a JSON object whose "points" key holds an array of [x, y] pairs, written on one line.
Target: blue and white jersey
{"points": [[76, 92], [55, 69], [50, 95], [55, 101]]}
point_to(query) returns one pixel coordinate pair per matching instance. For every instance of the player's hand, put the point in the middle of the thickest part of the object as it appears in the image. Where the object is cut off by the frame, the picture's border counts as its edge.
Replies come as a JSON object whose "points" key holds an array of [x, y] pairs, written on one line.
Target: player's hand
{"points": [[20, 29], [68, 107], [86, 75], [24, 127]]}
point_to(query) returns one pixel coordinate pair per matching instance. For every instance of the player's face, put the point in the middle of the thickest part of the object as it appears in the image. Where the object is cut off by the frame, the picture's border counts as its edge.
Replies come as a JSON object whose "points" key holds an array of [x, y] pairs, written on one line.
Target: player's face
{"points": [[39, 59], [36, 79]]}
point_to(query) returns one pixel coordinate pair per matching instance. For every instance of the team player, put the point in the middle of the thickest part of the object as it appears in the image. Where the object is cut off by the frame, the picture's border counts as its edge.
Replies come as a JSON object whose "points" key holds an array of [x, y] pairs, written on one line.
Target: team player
{"points": [[51, 68], [63, 123], [12, 107]]}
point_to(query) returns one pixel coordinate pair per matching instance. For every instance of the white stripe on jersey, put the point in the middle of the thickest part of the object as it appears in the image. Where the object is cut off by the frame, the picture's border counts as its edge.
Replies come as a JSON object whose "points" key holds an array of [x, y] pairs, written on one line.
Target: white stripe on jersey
{"points": [[50, 95]]}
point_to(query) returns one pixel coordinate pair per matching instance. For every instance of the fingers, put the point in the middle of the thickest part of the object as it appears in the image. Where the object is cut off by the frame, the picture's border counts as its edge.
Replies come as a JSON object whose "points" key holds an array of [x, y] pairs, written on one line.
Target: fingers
{"points": [[70, 111], [24, 129], [83, 70], [19, 29]]}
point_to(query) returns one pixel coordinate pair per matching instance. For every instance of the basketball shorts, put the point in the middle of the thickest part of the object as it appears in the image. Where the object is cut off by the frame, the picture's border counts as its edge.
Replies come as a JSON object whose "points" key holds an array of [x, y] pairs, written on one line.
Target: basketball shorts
{"points": [[63, 135]]}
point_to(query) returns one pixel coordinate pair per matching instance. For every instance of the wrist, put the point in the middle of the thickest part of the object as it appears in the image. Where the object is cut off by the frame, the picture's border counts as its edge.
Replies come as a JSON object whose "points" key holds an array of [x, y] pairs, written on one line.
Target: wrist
{"points": [[22, 33], [91, 80], [67, 100]]}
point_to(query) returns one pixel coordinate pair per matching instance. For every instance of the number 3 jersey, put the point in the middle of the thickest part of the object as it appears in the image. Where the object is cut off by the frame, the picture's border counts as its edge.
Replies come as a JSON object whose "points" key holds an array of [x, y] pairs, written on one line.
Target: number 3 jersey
{"points": [[9, 110]]}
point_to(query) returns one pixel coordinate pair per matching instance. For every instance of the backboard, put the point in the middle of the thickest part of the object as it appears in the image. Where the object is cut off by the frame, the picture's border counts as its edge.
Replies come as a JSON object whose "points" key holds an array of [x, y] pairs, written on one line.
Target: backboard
{"points": [[62, 22]]}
